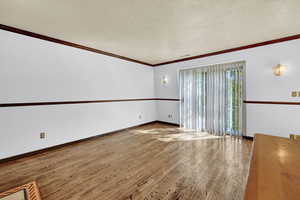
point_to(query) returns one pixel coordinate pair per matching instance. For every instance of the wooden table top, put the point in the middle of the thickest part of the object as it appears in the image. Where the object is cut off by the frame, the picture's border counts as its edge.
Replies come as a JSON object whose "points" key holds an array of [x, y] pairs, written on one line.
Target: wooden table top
{"points": [[275, 169]]}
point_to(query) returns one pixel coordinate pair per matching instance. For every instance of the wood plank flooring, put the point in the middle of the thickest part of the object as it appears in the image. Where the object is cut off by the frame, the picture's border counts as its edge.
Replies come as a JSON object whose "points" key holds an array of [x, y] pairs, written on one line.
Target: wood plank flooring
{"points": [[152, 162]]}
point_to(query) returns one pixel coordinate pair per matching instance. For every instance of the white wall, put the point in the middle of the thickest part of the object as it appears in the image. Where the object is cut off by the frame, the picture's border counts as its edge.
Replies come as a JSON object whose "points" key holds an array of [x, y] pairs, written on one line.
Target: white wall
{"points": [[33, 70], [261, 85]]}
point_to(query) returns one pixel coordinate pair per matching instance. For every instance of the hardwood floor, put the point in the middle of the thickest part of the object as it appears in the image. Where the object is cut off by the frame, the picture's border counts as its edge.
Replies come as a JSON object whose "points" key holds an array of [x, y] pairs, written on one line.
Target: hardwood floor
{"points": [[152, 162]]}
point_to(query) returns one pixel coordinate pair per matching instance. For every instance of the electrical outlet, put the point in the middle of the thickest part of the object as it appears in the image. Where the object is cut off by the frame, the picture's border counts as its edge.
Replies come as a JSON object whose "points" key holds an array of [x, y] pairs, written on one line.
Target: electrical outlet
{"points": [[140, 116], [42, 135], [170, 116], [294, 94]]}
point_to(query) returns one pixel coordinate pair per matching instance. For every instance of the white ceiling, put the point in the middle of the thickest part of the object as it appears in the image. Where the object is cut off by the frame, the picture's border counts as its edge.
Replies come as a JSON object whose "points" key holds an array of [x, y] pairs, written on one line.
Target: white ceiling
{"points": [[156, 31]]}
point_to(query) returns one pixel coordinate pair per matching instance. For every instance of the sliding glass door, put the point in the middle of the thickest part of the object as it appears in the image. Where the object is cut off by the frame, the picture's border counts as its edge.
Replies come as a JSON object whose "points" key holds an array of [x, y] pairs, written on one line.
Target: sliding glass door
{"points": [[211, 98]]}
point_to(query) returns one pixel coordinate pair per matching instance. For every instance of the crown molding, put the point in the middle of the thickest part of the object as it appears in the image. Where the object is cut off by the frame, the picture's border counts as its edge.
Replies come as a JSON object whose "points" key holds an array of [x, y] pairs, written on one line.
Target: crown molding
{"points": [[269, 42], [71, 44], [63, 42]]}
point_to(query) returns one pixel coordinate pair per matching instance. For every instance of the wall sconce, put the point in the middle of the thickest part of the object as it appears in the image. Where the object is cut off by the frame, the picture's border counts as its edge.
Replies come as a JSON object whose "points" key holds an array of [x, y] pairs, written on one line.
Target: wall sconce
{"points": [[278, 70], [164, 80]]}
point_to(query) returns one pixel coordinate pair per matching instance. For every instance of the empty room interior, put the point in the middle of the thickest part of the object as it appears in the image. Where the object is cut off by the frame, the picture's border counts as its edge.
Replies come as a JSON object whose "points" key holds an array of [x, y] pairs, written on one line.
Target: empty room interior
{"points": [[149, 100]]}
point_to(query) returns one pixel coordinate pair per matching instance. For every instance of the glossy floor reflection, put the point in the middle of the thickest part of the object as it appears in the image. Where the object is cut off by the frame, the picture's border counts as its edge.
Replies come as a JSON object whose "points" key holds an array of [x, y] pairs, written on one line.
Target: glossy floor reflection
{"points": [[177, 134]]}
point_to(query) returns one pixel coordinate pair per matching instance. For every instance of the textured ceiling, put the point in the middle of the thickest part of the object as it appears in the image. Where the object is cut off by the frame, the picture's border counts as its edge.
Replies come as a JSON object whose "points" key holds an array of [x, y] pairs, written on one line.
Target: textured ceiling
{"points": [[156, 31]]}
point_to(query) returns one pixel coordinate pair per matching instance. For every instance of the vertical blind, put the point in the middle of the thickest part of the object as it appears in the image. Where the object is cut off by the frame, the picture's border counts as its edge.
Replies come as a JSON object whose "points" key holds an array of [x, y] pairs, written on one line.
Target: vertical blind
{"points": [[211, 98]]}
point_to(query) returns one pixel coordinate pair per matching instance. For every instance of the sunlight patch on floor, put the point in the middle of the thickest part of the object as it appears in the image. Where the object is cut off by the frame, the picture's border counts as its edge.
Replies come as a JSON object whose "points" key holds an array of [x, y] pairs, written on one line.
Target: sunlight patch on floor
{"points": [[176, 134]]}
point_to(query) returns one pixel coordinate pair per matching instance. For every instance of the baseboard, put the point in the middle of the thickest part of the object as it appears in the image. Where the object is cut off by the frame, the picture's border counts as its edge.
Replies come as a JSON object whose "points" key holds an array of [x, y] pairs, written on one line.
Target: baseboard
{"points": [[89, 138], [247, 137], [69, 143], [169, 123]]}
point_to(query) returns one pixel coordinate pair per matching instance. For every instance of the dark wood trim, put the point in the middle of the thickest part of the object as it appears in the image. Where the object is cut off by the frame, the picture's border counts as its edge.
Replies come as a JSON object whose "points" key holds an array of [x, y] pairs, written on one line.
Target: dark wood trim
{"points": [[122, 100], [284, 39], [273, 102], [166, 99], [79, 102], [168, 123], [63, 42], [71, 102], [247, 137], [69, 143]]}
